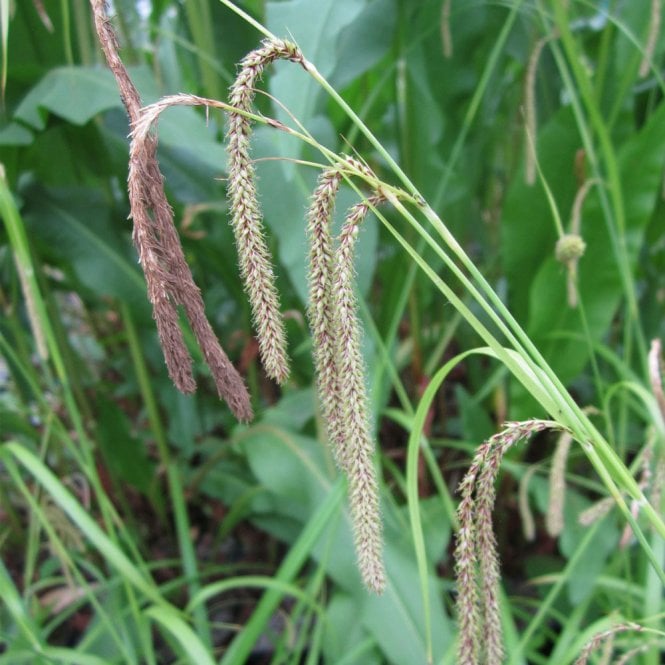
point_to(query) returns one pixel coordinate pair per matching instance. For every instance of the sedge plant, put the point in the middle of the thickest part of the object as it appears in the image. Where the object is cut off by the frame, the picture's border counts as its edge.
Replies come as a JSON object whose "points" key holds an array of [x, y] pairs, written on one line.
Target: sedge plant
{"points": [[337, 337]]}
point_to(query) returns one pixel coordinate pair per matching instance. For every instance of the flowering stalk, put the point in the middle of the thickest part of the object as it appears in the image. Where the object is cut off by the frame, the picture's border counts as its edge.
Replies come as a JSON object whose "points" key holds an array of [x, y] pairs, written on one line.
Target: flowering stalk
{"points": [[254, 256], [554, 519], [321, 305], [356, 454], [476, 558], [601, 637]]}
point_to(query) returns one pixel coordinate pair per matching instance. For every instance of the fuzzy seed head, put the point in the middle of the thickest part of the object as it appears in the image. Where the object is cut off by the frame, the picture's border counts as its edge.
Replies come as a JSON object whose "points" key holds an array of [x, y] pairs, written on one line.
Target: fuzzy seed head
{"points": [[247, 218], [358, 451], [569, 247]]}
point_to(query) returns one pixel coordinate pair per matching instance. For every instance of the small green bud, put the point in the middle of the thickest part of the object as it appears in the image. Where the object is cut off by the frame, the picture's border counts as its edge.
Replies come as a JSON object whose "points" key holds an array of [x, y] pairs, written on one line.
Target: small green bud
{"points": [[569, 247]]}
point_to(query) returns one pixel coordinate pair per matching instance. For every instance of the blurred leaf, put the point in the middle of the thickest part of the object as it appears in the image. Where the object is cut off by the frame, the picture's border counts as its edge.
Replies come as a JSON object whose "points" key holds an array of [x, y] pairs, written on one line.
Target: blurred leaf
{"points": [[592, 562], [316, 27], [78, 94], [529, 240], [364, 42], [15, 134], [344, 631], [125, 455], [74, 226], [476, 423]]}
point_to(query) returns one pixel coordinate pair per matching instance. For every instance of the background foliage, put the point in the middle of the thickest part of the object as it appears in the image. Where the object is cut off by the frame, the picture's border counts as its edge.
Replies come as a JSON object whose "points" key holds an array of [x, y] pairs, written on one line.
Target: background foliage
{"points": [[141, 525]]}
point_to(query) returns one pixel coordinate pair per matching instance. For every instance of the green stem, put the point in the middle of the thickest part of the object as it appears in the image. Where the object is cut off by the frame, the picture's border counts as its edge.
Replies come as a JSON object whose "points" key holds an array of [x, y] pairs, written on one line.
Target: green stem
{"points": [[173, 476], [618, 238]]}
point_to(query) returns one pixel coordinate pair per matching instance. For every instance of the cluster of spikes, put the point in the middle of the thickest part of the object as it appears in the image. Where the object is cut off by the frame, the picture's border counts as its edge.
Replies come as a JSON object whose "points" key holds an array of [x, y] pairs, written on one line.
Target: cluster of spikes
{"points": [[332, 306], [476, 557], [332, 309], [335, 329]]}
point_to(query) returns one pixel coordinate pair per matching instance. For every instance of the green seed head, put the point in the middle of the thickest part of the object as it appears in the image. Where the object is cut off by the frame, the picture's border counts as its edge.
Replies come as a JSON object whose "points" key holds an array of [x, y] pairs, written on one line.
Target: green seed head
{"points": [[569, 247]]}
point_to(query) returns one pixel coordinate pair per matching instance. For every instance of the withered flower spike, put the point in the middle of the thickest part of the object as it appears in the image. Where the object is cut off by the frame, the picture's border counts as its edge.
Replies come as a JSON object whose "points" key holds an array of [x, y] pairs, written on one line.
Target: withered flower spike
{"points": [[168, 277], [253, 254]]}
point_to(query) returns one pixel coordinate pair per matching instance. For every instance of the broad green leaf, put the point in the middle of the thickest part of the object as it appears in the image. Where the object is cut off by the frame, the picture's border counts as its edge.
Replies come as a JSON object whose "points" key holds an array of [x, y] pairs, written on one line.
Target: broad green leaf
{"points": [[316, 28], [78, 94], [15, 134], [345, 632], [364, 41]]}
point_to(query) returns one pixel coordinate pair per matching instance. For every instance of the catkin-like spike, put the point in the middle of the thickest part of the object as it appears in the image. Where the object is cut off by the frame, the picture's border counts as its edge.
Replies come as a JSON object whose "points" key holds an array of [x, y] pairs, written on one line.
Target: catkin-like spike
{"points": [[655, 361], [357, 453], [655, 16], [530, 117], [554, 518], [528, 523], [446, 37], [476, 557], [488, 558], [466, 566], [321, 305], [169, 279], [601, 637], [253, 254]]}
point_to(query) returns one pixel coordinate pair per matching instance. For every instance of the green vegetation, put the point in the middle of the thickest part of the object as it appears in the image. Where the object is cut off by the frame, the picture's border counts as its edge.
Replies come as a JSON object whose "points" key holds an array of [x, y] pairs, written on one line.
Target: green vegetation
{"points": [[496, 171]]}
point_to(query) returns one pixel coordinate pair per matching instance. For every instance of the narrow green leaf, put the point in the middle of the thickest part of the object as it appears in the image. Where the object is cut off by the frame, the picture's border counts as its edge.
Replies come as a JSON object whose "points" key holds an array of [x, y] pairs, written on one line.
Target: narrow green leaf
{"points": [[193, 649]]}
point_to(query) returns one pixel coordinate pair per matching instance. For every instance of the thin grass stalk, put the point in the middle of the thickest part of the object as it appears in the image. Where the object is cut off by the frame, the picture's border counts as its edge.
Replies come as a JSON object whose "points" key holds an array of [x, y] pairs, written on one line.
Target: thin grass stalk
{"points": [[526, 514], [50, 531], [636, 651], [358, 452], [241, 647], [79, 445], [546, 605]]}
